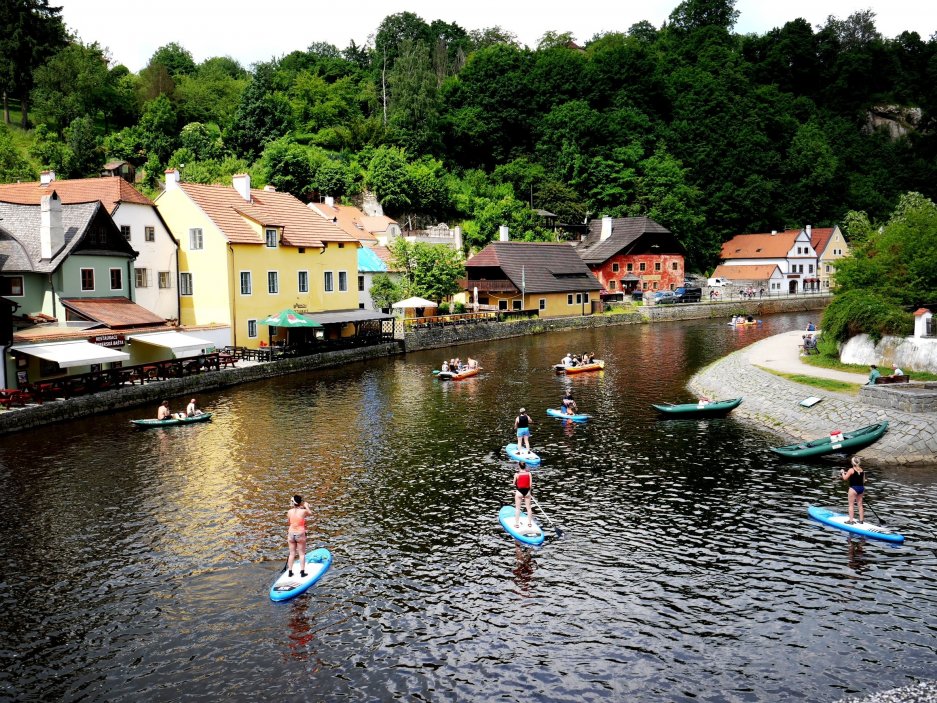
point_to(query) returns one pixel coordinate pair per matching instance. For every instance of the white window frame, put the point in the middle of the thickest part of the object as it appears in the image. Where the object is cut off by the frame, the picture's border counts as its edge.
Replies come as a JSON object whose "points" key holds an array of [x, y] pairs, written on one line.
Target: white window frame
{"points": [[81, 279], [612, 284], [516, 305], [615, 267], [196, 239], [22, 292], [543, 304], [125, 232], [186, 284], [252, 329], [302, 285], [110, 278], [502, 304], [270, 235], [343, 281], [249, 280], [569, 299], [273, 277], [657, 266], [642, 266], [361, 286], [141, 273], [149, 234], [164, 277], [585, 297], [328, 281]]}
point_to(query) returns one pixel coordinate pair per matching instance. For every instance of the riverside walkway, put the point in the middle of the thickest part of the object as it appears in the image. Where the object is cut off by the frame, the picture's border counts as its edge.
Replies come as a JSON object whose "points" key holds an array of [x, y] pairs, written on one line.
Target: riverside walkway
{"points": [[774, 402]]}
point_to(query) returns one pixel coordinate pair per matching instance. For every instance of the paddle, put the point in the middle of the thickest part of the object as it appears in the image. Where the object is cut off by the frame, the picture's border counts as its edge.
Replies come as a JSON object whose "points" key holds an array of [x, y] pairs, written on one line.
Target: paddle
{"points": [[867, 505], [559, 532]]}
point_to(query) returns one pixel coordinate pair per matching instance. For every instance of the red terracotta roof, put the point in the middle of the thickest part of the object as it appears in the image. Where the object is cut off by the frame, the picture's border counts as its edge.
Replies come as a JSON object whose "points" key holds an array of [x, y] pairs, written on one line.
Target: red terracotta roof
{"points": [[819, 238], [760, 246], [110, 190], [755, 272], [113, 312], [921, 311], [347, 217], [228, 210]]}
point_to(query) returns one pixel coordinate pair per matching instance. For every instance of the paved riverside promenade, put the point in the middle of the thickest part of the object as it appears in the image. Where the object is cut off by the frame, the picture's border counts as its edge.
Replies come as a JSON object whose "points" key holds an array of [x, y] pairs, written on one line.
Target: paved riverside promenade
{"points": [[774, 402]]}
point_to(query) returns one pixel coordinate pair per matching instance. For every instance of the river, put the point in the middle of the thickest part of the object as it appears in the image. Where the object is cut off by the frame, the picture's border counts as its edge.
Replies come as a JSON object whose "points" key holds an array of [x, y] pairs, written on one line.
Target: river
{"points": [[136, 563]]}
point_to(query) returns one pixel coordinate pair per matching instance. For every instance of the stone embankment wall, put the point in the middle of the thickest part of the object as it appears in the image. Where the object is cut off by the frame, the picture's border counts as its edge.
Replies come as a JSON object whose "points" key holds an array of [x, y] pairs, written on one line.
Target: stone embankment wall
{"points": [[774, 403], [907, 397], [153, 393], [452, 335], [914, 353]]}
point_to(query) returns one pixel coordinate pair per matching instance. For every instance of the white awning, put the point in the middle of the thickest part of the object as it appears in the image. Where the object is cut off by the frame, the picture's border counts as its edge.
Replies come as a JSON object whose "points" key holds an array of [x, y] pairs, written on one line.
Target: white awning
{"points": [[182, 345], [69, 354]]}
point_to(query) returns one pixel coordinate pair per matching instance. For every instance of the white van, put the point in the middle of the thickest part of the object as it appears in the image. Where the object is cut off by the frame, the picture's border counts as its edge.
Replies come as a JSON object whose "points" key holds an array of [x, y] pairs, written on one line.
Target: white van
{"points": [[717, 282]]}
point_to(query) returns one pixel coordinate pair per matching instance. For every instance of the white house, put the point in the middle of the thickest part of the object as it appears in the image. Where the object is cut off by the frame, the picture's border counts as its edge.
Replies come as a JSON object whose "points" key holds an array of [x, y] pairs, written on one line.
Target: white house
{"points": [[791, 251], [155, 284]]}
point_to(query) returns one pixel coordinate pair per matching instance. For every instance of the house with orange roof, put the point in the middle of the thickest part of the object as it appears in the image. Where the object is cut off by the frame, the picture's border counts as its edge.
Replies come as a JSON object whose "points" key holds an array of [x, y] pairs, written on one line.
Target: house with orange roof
{"points": [[154, 283], [830, 245], [790, 251], [246, 254]]}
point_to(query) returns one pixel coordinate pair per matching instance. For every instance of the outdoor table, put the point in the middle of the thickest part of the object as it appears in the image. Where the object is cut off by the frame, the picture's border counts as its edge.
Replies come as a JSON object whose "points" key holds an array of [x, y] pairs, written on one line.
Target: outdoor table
{"points": [[227, 360]]}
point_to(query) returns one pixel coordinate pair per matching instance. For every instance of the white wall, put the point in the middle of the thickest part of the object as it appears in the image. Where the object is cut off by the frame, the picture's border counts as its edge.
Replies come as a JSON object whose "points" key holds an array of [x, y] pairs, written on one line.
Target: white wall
{"points": [[158, 255], [909, 353]]}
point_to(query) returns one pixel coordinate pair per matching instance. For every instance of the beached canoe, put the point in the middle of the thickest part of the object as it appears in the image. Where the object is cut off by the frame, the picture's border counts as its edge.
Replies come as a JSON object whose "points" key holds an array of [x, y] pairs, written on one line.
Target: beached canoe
{"points": [[714, 408], [851, 441], [594, 366], [146, 424], [458, 375]]}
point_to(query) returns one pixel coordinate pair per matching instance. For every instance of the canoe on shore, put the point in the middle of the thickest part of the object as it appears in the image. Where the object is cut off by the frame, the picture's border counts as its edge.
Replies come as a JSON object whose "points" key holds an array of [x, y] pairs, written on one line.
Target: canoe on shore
{"points": [[714, 408], [458, 375], [851, 441], [147, 424], [594, 366]]}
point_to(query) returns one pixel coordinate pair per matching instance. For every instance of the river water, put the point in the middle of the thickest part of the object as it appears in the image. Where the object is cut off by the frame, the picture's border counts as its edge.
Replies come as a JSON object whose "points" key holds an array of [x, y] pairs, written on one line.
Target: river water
{"points": [[136, 564]]}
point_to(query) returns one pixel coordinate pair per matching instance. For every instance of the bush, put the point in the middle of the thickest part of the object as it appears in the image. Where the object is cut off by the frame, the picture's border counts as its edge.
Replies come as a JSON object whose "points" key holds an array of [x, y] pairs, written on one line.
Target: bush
{"points": [[856, 311], [459, 308], [443, 309]]}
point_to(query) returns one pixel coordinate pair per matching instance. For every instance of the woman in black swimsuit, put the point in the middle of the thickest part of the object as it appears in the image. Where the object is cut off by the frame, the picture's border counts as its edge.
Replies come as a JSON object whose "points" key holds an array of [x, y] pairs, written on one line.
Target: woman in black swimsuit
{"points": [[856, 477]]}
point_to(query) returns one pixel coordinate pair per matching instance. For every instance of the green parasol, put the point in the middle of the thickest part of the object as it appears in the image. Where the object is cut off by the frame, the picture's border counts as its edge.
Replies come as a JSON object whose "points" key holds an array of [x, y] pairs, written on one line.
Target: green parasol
{"points": [[288, 318]]}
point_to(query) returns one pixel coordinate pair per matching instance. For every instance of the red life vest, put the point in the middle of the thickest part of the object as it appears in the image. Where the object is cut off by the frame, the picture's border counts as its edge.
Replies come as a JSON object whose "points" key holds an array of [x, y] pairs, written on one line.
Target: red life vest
{"points": [[523, 480]]}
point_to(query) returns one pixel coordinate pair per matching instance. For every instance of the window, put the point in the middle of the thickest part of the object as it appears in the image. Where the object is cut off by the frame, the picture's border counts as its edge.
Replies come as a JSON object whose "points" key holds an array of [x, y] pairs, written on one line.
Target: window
{"points": [[141, 279], [629, 268], [644, 285], [543, 303], [810, 268], [578, 298], [516, 304], [252, 329], [149, 234], [569, 299], [360, 283], [117, 279], [246, 284], [341, 245], [642, 266], [185, 284], [273, 330], [655, 285], [271, 235], [125, 231], [674, 266], [657, 266], [164, 280], [612, 284], [828, 268], [502, 305], [273, 282], [302, 281], [585, 297], [87, 279], [327, 282], [615, 268], [343, 280], [195, 238], [361, 306], [12, 286]]}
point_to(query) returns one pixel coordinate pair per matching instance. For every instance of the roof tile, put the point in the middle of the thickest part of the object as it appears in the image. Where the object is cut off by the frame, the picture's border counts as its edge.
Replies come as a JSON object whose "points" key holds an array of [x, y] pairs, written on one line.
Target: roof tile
{"points": [[537, 267], [110, 190]]}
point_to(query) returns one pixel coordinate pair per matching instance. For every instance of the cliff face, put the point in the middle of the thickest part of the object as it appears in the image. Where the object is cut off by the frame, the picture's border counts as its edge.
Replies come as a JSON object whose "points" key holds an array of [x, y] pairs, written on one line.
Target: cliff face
{"points": [[897, 120]]}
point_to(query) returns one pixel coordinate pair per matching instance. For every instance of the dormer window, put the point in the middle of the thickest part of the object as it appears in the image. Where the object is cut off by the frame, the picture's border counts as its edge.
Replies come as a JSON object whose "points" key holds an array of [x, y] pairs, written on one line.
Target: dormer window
{"points": [[271, 236], [758, 250]]}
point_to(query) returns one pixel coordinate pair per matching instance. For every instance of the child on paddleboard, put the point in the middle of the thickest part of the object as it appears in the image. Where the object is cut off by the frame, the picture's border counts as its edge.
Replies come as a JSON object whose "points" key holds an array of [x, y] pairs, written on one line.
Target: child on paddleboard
{"points": [[856, 477], [523, 484], [522, 425], [296, 535]]}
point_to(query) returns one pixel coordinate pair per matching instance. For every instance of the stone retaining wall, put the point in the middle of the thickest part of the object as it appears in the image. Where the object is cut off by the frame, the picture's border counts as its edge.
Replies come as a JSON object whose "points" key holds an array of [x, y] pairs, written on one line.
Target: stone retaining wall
{"points": [[728, 308], [774, 403], [152, 393], [907, 397]]}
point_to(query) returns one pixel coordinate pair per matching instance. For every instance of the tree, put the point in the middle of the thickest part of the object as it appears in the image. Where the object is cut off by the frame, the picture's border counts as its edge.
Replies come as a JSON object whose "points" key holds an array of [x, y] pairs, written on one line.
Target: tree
{"points": [[430, 271], [262, 115], [286, 165], [72, 84], [13, 167], [413, 101], [177, 59], [84, 157], [159, 129], [388, 177], [385, 291]]}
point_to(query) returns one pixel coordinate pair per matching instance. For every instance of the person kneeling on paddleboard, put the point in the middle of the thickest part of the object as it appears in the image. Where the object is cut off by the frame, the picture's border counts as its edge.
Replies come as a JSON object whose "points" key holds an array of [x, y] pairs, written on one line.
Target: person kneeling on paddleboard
{"points": [[296, 535], [522, 425], [569, 405], [523, 483], [856, 478]]}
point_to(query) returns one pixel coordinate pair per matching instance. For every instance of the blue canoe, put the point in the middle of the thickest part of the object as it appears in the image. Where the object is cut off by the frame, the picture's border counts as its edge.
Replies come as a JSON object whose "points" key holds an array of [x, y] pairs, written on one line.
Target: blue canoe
{"points": [[516, 454], [285, 587], [580, 417], [866, 529], [527, 535]]}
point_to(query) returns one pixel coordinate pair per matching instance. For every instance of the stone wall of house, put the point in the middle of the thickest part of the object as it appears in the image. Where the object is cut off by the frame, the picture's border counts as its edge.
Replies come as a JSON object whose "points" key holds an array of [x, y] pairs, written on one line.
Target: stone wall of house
{"points": [[152, 393], [756, 307]]}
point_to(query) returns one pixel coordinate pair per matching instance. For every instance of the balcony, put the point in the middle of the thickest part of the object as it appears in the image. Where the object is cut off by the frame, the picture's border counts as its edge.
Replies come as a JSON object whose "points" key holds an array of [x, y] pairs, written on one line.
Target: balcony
{"points": [[489, 286]]}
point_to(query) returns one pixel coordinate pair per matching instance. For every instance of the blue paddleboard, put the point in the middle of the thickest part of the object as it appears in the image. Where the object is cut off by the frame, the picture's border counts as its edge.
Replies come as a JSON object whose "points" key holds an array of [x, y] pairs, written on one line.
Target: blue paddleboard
{"points": [[580, 417], [285, 587], [516, 454], [527, 535], [866, 529]]}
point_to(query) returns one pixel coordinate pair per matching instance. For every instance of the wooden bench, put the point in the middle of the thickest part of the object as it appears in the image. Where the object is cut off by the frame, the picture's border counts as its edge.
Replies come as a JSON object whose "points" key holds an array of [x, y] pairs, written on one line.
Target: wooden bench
{"points": [[883, 380]]}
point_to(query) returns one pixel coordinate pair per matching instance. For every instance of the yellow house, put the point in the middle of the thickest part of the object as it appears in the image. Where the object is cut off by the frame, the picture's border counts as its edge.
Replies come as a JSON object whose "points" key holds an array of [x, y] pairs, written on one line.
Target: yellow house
{"points": [[830, 245], [245, 254], [547, 277]]}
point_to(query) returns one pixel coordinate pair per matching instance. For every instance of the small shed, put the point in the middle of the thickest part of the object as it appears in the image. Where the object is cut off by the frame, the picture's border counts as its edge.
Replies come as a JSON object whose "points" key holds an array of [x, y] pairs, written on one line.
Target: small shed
{"points": [[924, 323]]}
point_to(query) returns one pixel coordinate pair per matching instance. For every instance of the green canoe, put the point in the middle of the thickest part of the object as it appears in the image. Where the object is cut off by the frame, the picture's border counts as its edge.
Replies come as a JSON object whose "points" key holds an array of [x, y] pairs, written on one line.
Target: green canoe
{"points": [[172, 421], [852, 441], [711, 409]]}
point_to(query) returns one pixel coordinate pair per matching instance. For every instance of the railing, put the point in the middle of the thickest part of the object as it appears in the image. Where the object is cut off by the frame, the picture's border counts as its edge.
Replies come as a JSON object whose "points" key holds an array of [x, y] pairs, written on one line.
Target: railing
{"points": [[502, 285], [467, 318]]}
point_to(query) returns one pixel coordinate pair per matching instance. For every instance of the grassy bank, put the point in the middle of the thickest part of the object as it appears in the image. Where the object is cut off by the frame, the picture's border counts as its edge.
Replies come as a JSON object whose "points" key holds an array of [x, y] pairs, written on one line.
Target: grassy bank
{"points": [[827, 362], [826, 384]]}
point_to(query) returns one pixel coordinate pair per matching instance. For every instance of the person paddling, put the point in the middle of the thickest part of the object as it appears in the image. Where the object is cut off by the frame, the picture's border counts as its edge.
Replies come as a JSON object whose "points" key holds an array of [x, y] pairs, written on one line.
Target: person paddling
{"points": [[523, 484], [522, 425], [296, 535], [856, 477]]}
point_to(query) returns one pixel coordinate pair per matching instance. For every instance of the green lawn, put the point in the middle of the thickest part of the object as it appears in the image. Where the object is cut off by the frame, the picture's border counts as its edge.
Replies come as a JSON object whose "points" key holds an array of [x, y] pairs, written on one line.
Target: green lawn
{"points": [[826, 362], [826, 384]]}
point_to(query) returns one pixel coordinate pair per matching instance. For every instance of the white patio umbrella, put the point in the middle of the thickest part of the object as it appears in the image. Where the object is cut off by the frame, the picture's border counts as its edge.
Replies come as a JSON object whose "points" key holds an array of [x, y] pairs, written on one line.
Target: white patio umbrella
{"points": [[415, 303]]}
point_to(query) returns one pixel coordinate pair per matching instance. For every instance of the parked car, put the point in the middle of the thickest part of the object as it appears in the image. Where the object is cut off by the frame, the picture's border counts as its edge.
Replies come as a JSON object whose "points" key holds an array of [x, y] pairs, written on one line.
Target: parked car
{"points": [[637, 295], [663, 297], [688, 294]]}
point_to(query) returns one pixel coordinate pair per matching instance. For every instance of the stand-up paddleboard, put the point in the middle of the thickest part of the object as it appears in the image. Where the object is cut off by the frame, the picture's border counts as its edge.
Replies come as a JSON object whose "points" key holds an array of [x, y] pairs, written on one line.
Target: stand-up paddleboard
{"points": [[517, 454], [285, 587], [527, 535], [866, 529], [578, 417]]}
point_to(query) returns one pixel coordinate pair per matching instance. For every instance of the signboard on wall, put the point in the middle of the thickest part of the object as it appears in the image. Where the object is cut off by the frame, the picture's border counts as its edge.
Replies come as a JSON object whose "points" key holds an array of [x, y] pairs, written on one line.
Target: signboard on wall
{"points": [[110, 341]]}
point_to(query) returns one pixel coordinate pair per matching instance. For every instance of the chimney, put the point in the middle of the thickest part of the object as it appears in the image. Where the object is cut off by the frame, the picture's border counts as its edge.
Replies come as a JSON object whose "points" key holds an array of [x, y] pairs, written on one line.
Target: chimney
{"points": [[457, 236], [503, 233], [330, 201], [242, 184], [46, 177], [172, 179], [270, 189], [51, 231], [809, 231], [773, 232], [606, 228]]}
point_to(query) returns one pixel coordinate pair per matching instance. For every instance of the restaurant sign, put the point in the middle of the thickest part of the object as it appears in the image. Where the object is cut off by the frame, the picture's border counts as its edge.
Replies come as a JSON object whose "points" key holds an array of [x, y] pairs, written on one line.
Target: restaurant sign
{"points": [[108, 340]]}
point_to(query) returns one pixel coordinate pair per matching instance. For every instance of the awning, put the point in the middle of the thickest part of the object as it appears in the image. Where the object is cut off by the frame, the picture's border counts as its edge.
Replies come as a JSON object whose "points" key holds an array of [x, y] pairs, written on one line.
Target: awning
{"points": [[69, 354], [344, 316], [182, 345]]}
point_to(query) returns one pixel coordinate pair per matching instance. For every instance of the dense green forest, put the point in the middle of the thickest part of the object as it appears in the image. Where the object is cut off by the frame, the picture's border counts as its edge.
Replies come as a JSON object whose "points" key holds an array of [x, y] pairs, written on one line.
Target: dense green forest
{"points": [[709, 132]]}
